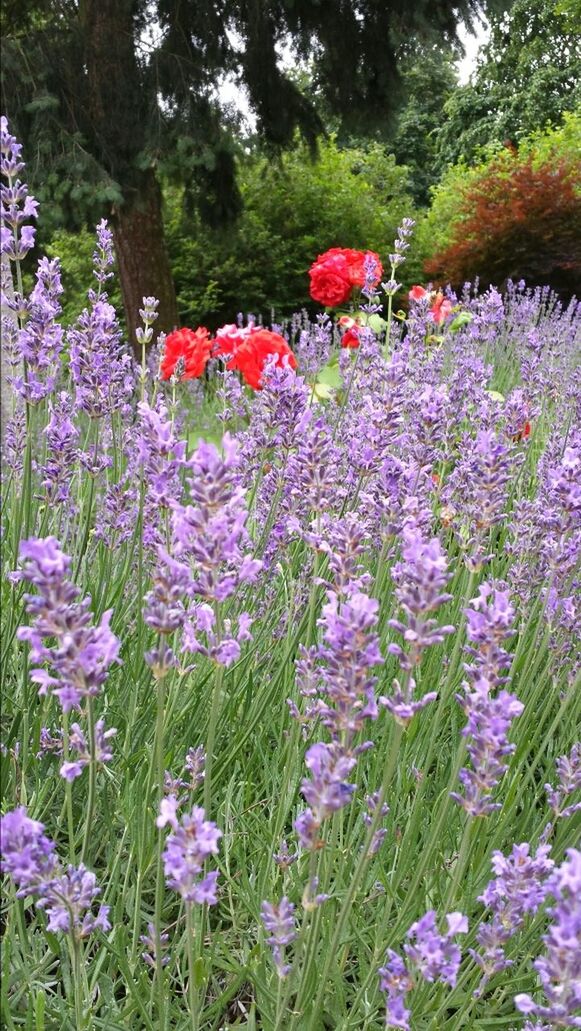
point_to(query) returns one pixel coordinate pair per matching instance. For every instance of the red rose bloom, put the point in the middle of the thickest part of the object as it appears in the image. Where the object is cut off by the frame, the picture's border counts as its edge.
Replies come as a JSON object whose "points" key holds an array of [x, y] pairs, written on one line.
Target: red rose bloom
{"points": [[229, 338], [251, 355], [337, 271], [192, 348], [330, 281]]}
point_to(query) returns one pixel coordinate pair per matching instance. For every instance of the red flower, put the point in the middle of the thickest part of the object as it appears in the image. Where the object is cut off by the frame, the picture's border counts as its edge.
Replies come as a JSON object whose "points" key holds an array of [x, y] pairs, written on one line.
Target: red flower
{"points": [[251, 354], [229, 338], [441, 308], [417, 293], [336, 272], [523, 434], [350, 337], [330, 281], [191, 348]]}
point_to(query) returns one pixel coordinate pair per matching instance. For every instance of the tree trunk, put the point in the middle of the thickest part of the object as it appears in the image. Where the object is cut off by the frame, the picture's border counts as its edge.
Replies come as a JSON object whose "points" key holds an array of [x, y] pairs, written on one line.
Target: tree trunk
{"points": [[117, 107], [144, 269]]}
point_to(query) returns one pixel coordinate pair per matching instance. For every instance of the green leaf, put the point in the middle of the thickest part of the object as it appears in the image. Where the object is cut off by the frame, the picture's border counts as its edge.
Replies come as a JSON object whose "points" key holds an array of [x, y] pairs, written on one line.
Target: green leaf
{"points": [[330, 376], [199, 972], [321, 391], [376, 323], [462, 319]]}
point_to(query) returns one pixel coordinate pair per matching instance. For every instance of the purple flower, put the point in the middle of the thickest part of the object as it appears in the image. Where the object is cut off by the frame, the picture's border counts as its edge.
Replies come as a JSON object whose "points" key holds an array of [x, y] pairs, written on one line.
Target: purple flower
{"points": [[68, 902], [62, 450], [15, 203], [209, 536], [349, 651], [569, 780], [150, 941], [223, 644], [191, 842], [82, 652], [420, 578], [436, 956], [78, 743], [284, 858], [371, 802], [395, 981], [103, 255], [559, 968], [279, 922], [489, 623], [517, 891], [489, 721], [38, 342], [101, 367], [326, 792], [476, 493], [29, 857]]}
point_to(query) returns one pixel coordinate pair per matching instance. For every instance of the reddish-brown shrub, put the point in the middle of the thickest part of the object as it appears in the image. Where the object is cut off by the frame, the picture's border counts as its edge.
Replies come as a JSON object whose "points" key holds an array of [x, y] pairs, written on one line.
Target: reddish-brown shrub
{"points": [[519, 219]]}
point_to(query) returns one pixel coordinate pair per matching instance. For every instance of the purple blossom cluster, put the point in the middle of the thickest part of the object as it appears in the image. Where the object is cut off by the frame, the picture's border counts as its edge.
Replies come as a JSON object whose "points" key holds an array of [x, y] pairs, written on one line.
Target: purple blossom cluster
{"points": [[559, 968], [431, 954], [67, 896], [516, 893], [420, 578], [476, 494], [192, 840], [209, 535], [279, 923], [489, 716], [16, 204], [82, 652]]}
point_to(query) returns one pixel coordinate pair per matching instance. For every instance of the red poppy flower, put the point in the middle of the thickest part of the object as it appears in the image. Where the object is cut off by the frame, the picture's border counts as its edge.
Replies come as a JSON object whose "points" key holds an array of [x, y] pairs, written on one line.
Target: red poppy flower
{"points": [[336, 272], [190, 348], [441, 308], [417, 293], [251, 355]]}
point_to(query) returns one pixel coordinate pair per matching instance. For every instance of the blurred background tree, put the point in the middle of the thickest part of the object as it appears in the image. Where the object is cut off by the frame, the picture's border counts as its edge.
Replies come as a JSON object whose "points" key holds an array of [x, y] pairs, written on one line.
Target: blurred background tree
{"points": [[114, 97], [527, 76]]}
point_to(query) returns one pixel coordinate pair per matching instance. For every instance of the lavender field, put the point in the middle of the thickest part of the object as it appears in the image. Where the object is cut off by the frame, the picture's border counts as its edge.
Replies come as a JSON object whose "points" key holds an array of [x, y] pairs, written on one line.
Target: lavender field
{"points": [[290, 657]]}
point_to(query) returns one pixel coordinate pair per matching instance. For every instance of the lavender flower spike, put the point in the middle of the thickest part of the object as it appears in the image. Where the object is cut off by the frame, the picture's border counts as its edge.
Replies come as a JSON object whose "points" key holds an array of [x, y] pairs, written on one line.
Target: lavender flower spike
{"points": [[559, 969], [280, 922], [29, 857], [395, 981], [435, 955], [80, 653], [193, 840]]}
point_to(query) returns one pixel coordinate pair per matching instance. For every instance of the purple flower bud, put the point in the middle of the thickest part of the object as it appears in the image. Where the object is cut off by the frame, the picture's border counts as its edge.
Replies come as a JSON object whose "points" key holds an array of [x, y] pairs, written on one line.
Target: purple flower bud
{"points": [[279, 922]]}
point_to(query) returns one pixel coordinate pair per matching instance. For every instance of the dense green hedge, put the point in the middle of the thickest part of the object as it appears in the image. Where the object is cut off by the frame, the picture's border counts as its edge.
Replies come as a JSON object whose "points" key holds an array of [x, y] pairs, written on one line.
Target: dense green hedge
{"points": [[293, 210]]}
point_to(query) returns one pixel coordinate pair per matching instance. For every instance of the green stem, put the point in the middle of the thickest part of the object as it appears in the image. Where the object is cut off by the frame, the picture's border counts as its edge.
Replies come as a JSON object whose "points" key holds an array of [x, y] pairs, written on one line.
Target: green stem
{"points": [[362, 863], [213, 721], [461, 862], [92, 778], [190, 945], [159, 886], [77, 980], [68, 790]]}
